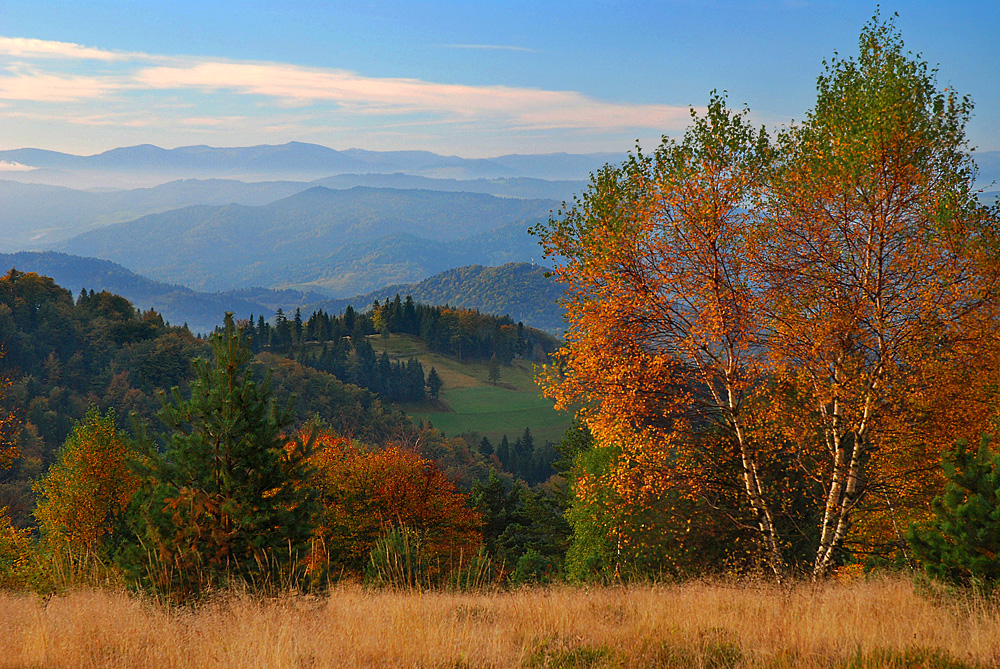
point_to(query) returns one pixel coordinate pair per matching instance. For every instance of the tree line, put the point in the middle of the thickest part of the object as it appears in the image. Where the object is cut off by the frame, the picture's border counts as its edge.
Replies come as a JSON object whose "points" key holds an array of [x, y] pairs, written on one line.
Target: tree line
{"points": [[464, 333]]}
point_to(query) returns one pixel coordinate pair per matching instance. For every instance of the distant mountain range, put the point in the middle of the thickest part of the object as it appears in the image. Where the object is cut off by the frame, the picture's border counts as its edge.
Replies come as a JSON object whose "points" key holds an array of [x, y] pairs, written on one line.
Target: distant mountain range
{"points": [[341, 242], [36, 216], [147, 165], [517, 289]]}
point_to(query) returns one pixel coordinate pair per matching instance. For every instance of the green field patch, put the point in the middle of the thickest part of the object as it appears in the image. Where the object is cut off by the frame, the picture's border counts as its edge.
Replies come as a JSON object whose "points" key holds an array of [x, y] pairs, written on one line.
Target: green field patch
{"points": [[546, 424], [492, 399], [469, 402]]}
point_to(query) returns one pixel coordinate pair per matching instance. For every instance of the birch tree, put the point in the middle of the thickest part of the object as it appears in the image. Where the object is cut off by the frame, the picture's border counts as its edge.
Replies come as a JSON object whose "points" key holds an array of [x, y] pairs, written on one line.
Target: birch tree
{"points": [[664, 317], [796, 295], [877, 256]]}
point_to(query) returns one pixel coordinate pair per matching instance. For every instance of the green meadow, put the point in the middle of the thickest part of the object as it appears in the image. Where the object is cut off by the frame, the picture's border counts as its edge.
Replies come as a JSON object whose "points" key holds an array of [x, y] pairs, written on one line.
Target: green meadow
{"points": [[469, 402]]}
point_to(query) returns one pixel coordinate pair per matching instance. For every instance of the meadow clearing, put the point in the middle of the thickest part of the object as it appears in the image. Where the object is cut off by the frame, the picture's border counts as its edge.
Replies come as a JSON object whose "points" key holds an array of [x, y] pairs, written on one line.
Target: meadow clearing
{"points": [[471, 403], [860, 624]]}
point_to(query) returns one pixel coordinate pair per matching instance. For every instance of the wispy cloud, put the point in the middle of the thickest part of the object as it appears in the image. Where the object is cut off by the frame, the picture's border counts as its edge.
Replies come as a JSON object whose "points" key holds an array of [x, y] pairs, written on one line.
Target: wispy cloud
{"points": [[32, 85], [76, 86], [366, 95], [490, 47], [23, 47]]}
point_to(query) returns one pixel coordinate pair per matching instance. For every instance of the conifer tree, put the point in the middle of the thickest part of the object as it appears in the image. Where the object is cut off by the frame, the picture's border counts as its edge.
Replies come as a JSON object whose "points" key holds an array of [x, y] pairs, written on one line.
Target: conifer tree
{"points": [[434, 383], [227, 500], [962, 544], [503, 453]]}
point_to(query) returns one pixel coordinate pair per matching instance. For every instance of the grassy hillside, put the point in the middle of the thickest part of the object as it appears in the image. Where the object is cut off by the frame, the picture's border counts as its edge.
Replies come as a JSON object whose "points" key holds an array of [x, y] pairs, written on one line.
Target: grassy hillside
{"points": [[469, 402]]}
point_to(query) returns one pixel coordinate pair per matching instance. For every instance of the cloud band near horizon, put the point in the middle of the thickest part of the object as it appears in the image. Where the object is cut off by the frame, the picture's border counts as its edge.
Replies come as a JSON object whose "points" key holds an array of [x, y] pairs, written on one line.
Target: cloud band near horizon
{"points": [[54, 74]]}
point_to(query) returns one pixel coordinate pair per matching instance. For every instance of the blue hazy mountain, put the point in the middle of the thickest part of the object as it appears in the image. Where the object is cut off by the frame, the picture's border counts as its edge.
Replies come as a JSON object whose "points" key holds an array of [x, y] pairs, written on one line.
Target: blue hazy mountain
{"points": [[342, 242], [37, 216], [147, 165]]}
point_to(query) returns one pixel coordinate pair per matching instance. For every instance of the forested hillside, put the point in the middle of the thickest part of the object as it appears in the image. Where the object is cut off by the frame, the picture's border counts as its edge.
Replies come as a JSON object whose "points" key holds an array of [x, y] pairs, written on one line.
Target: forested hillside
{"points": [[343, 241], [519, 290], [522, 291], [177, 304], [65, 357]]}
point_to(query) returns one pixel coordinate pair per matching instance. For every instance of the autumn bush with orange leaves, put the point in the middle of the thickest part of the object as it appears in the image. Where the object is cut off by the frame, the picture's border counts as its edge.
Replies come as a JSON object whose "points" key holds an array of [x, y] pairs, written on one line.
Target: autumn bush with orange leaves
{"points": [[83, 494], [823, 298], [367, 492]]}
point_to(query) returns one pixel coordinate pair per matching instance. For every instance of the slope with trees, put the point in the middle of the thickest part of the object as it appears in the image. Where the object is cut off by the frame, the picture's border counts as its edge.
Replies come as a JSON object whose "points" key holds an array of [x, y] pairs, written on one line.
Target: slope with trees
{"points": [[522, 291]]}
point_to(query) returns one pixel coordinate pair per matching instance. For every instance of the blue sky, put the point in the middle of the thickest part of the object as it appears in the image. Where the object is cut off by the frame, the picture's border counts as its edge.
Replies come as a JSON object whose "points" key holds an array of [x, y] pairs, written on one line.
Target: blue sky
{"points": [[465, 78]]}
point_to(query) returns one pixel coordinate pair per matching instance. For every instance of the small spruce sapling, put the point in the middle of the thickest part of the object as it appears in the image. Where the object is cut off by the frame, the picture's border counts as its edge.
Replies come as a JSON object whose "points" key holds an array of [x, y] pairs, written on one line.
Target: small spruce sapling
{"points": [[961, 544]]}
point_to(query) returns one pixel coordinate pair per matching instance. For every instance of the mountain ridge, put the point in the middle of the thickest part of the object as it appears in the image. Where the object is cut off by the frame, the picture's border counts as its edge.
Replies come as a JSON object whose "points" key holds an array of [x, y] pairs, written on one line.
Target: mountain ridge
{"points": [[301, 160], [519, 290], [300, 241]]}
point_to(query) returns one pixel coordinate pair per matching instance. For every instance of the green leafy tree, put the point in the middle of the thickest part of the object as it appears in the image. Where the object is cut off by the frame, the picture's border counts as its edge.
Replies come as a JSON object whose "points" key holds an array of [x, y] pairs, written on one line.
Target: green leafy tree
{"points": [[227, 500], [962, 544]]}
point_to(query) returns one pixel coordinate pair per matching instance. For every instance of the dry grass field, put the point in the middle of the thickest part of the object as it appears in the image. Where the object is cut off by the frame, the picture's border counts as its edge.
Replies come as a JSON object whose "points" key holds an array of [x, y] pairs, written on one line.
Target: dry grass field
{"points": [[709, 625]]}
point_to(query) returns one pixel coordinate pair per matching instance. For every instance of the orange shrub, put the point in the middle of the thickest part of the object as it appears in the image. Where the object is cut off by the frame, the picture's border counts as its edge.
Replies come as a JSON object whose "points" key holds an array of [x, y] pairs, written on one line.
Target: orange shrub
{"points": [[366, 492]]}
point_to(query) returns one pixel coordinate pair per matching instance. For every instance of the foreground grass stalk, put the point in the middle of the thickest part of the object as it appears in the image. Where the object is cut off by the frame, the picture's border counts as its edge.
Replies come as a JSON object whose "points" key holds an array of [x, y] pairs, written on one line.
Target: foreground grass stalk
{"points": [[861, 624]]}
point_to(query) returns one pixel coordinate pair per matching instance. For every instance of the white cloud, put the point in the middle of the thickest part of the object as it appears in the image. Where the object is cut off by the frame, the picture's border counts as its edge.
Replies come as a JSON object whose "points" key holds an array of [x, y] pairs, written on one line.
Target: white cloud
{"points": [[23, 47], [365, 95], [199, 94], [8, 166], [46, 87]]}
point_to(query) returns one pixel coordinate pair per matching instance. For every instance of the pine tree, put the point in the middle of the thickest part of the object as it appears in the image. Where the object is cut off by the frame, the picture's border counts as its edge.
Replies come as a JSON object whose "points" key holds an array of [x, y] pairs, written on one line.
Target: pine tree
{"points": [[297, 326], [227, 500], [433, 383], [962, 544], [503, 453]]}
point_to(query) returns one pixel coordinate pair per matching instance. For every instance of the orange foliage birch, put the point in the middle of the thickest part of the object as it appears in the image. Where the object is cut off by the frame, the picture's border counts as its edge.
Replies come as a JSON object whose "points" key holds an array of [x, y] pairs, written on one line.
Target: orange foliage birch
{"points": [[876, 262], [662, 302], [832, 294]]}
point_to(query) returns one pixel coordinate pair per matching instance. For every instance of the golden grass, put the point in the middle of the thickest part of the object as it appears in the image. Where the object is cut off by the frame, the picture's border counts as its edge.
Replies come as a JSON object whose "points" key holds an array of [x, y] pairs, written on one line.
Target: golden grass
{"points": [[860, 624]]}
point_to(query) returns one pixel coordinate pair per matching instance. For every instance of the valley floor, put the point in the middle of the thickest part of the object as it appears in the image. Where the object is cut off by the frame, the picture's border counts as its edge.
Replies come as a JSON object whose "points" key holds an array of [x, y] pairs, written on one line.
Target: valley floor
{"points": [[882, 623]]}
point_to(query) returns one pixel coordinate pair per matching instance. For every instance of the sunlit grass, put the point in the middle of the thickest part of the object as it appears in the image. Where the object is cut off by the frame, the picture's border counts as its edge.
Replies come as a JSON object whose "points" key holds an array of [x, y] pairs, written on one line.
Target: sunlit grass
{"points": [[863, 624]]}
